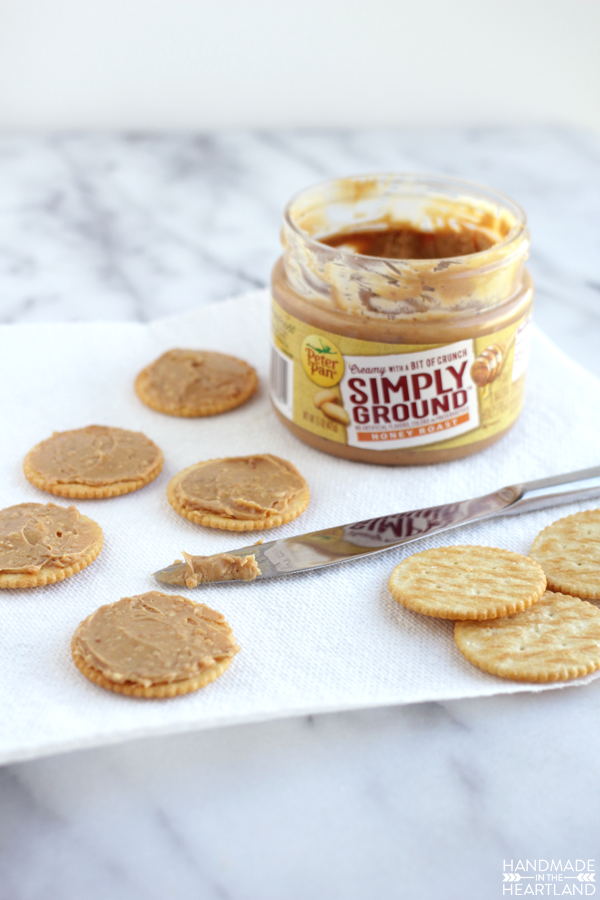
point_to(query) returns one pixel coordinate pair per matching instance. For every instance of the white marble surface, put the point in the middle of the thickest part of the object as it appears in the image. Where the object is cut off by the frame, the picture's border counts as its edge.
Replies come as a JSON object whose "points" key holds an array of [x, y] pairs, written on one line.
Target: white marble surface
{"points": [[417, 802]]}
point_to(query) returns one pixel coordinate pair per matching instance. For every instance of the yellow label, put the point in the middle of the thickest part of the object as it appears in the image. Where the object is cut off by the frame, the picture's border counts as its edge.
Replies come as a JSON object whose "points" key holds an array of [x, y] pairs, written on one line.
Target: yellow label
{"points": [[380, 396]]}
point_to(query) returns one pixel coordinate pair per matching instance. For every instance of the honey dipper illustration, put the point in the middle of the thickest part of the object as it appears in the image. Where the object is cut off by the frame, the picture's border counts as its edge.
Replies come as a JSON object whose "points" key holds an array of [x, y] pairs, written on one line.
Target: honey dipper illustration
{"points": [[488, 365]]}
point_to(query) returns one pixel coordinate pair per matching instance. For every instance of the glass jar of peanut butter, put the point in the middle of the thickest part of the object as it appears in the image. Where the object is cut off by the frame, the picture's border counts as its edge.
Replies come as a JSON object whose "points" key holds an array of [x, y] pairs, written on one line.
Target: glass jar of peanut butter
{"points": [[401, 318]]}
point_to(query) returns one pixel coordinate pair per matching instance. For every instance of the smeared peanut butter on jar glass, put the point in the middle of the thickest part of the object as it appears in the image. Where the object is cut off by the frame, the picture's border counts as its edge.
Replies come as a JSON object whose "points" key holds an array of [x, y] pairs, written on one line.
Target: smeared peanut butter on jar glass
{"points": [[401, 318]]}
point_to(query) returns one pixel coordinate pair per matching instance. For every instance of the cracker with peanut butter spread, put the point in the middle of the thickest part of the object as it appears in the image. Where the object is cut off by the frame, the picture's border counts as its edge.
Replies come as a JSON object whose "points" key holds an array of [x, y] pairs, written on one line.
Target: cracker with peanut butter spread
{"points": [[569, 553], [93, 462], [467, 582], [44, 543], [242, 493], [153, 645], [195, 383]]}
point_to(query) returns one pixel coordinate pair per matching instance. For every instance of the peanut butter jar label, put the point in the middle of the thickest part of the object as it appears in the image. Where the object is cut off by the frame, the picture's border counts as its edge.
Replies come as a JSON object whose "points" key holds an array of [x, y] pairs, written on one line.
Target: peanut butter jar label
{"points": [[380, 396]]}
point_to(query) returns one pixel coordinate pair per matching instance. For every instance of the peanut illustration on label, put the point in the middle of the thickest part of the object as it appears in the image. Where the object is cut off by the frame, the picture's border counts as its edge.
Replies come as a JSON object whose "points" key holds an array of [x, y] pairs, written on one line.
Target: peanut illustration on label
{"points": [[329, 402]]}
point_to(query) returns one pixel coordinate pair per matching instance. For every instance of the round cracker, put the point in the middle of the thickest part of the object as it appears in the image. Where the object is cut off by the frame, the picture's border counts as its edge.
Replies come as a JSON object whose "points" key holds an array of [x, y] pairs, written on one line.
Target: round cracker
{"points": [[79, 491], [152, 390], [569, 553], [467, 582], [211, 520], [86, 492], [143, 631], [557, 639], [51, 575], [155, 691]]}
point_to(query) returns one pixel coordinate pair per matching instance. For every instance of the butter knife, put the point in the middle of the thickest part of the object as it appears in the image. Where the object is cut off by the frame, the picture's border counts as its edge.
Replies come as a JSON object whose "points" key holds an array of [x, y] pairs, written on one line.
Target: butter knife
{"points": [[331, 546]]}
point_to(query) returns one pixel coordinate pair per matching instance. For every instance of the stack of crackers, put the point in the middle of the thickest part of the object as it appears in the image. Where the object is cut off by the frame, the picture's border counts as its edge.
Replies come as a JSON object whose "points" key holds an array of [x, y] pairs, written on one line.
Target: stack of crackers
{"points": [[522, 617]]}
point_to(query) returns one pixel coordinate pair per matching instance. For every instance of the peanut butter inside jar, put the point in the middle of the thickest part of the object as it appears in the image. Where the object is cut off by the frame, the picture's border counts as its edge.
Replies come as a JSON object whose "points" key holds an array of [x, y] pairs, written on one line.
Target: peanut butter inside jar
{"points": [[401, 318]]}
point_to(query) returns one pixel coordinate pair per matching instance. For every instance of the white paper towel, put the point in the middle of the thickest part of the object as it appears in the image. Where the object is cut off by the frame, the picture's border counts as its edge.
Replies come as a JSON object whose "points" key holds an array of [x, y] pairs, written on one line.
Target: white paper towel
{"points": [[327, 640]]}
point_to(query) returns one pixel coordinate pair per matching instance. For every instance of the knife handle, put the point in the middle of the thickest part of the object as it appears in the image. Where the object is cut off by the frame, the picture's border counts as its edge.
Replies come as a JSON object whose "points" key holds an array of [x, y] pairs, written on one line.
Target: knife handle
{"points": [[572, 486]]}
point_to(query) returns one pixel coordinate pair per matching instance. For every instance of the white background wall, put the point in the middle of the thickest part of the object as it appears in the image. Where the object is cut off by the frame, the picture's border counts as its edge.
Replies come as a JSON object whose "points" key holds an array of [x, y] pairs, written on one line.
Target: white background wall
{"points": [[205, 63]]}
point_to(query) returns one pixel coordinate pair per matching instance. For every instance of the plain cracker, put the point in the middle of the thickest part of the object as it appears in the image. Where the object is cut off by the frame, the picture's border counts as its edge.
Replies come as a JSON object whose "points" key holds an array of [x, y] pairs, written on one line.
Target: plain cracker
{"points": [[557, 639], [467, 582], [569, 553]]}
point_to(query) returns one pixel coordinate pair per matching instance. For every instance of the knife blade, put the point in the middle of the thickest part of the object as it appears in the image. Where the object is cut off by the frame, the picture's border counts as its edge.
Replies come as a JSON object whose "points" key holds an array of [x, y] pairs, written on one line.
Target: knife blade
{"points": [[332, 546]]}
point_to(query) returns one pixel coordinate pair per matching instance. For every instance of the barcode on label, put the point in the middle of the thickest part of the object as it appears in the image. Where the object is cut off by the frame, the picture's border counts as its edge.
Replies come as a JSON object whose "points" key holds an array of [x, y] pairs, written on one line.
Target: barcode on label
{"points": [[282, 382]]}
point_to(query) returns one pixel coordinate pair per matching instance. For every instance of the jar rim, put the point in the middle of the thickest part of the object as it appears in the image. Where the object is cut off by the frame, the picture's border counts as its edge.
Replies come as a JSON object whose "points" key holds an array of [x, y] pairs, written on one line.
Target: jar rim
{"points": [[415, 179]]}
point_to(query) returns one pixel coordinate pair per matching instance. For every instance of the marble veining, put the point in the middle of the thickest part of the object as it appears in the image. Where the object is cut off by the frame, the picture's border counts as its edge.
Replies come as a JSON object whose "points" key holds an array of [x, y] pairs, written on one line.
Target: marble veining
{"points": [[415, 802], [139, 226]]}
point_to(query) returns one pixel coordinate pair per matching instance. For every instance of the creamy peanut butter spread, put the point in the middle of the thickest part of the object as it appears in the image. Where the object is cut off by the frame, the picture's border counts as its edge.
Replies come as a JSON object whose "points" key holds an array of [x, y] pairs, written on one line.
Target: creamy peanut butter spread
{"points": [[192, 378], [154, 638], [36, 536], [407, 242], [219, 567], [94, 456], [243, 487]]}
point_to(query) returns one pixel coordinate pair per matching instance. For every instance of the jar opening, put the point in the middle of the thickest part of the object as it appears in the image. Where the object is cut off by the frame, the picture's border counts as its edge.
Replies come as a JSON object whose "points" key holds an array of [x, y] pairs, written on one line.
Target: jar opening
{"points": [[402, 245], [460, 212]]}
